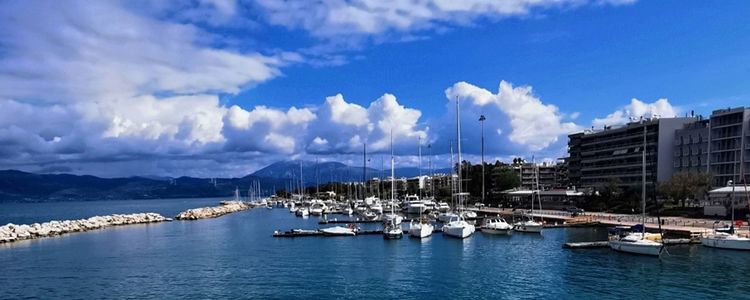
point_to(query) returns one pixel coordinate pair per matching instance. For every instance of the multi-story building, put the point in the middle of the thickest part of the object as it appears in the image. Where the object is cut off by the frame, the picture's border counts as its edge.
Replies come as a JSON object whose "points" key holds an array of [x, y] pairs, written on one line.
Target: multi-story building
{"points": [[616, 153], [721, 156], [728, 135], [547, 173]]}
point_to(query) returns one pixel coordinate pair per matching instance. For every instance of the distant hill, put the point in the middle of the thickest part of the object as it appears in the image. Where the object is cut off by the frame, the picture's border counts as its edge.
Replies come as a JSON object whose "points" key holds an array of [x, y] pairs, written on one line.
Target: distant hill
{"points": [[18, 186], [331, 171]]}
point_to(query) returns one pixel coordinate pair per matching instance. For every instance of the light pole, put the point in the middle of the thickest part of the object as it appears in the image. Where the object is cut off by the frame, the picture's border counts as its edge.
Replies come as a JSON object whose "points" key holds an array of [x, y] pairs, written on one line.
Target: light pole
{"points": [[481, 121]]}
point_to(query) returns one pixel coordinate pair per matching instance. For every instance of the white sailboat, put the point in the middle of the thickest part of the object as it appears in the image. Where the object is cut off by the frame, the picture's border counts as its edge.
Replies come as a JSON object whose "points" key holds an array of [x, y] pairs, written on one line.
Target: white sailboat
{"points": [[457, 226], [639, 242], [421, 228], [726, 238], [529, 225], [392, 222]]}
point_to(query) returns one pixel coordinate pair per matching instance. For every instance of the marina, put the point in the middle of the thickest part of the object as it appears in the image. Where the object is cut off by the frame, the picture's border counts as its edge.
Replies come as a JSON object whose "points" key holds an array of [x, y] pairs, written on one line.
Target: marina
{"points": [[215, 258]]}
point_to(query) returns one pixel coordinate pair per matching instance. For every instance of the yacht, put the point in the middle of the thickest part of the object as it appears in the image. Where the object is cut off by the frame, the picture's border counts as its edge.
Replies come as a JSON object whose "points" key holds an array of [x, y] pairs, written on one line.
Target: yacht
{"points": [[291, 207], [725, 240], [414, 205], [318, 208], [457, 226], [496, 225], [340, 230], [443, 207], [446, 217], [392, 230], [529, 226], [302, 212], [639, 242]]}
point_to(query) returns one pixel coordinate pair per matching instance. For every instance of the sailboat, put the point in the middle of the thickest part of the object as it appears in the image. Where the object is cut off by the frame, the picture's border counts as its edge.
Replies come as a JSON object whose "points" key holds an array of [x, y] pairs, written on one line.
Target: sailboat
{"points": [[529, 225], [392, 222], [421, 228], [457, 226], [639, 242], [728, 238]]}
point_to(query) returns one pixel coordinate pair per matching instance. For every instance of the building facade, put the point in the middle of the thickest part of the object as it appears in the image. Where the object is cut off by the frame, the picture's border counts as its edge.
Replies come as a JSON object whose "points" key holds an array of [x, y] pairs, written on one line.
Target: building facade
{"points": [[615, 154]]}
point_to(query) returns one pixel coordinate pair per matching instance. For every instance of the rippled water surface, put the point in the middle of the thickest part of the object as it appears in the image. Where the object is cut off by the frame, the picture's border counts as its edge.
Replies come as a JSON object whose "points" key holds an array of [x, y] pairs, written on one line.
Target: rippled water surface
{"points": [[235, 256]]}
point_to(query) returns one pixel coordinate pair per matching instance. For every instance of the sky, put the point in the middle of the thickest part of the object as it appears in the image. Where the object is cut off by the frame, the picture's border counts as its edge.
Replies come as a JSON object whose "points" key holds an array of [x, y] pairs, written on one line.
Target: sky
{"points": [[221, 88]]}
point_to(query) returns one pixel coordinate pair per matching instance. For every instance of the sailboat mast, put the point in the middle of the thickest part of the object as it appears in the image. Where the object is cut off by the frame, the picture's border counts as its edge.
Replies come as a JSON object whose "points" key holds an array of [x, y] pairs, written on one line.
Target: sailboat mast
{"points": [[458, 140], [419, 182], [393, 176], [643, 187], [301, 182]]}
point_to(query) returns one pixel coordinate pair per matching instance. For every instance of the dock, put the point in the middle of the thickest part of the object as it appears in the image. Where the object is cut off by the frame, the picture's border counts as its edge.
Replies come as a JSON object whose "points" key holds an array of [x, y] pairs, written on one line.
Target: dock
{"points": [[605, 244]]}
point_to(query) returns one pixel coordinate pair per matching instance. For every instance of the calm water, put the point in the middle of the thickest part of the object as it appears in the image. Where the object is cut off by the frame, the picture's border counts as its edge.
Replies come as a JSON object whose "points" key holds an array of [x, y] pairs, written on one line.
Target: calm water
{"points": [[235, 257]]}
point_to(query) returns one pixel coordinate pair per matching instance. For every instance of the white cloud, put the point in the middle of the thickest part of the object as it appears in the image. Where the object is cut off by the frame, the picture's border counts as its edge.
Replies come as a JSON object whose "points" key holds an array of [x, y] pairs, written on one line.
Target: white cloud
{"points": [[266, 129], [336, 18], [637, 109], [533, 124]]}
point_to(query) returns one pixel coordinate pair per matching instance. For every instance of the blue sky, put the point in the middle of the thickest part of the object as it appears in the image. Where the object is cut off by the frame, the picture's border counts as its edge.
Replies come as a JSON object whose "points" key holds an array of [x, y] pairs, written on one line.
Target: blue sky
{"points": [[223, 87]]}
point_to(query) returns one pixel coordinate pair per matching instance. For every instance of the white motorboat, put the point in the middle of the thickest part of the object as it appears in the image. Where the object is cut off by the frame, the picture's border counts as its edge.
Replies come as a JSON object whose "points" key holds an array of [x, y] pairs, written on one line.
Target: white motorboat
{"points": [[529, 226], [318, 208], [414, 205], [469, 214], [637, 243], [370, 215], [292, 208], [361, 209], [496, 225], [458, 228], [443, 207], [302, 212], [421, 229], [340, 231]]}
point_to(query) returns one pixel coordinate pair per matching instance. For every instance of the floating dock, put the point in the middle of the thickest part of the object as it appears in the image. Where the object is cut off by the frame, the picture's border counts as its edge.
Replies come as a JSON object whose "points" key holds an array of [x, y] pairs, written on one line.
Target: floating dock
{"points": [[605, 244]]}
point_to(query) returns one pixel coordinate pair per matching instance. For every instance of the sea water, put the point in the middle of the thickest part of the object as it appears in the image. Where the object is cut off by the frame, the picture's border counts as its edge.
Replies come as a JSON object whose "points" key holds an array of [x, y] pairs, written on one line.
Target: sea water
{"points": [[235, 256]]}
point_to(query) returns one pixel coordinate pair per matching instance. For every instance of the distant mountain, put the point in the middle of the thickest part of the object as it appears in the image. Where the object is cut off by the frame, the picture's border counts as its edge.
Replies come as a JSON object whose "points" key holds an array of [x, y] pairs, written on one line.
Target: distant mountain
{"points": [[331, 171], [22, 186]]}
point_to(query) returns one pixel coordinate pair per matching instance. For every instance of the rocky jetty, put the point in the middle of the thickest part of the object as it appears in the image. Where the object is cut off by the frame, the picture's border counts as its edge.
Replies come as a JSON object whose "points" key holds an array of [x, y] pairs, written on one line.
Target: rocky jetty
{"points": [[12, 232], [226, 207]]}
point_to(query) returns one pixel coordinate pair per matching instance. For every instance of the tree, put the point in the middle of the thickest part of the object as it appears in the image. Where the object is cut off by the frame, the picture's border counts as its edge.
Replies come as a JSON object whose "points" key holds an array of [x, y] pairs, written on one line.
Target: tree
{"points": [[685, 185], [505, 179]]}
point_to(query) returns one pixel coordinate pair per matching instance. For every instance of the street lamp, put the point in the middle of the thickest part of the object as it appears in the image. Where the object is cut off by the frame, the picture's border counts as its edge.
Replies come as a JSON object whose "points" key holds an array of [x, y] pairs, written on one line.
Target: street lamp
{"points": [[481, 121]]}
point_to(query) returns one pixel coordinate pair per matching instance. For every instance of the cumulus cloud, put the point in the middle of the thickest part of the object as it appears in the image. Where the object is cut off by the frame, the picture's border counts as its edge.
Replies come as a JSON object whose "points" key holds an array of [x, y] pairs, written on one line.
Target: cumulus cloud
{"points": [[531, 123], [637, 109], [266, 129]]}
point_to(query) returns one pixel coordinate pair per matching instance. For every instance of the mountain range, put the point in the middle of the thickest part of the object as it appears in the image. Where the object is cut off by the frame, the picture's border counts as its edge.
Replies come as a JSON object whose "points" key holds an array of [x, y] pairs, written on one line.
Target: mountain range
{"points": [[19, 186]]}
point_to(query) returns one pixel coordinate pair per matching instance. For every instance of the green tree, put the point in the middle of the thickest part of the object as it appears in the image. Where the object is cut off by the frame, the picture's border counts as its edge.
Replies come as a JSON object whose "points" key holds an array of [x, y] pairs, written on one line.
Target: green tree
{"points": [[505, 179], [685, 185]]}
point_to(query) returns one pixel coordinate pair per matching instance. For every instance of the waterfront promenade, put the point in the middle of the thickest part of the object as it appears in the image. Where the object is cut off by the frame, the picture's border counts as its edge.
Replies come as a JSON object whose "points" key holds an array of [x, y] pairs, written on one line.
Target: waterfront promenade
{"points": [[683, 225]]}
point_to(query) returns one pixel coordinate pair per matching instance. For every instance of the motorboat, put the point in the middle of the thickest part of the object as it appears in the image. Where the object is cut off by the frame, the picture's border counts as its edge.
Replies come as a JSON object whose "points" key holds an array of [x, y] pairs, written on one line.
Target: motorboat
{"points": [[529, 226], [414, 205], [302, 212], [370, 215], [340, 230], [318, 208], [292, 208], [469, 214], [443, 207], [496, 225], [458, 227]]}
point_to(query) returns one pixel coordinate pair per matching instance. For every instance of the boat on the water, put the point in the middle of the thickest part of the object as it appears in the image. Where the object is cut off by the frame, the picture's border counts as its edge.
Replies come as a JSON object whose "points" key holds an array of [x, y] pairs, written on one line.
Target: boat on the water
{"points": [[340, 230], [529, 226], [421, 228], [457, 226], [496, 225]]}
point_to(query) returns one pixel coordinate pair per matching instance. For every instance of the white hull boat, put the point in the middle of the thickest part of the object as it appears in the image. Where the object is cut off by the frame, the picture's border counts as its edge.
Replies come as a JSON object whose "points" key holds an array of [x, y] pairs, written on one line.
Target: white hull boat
{"points": [[496, 226], [446, 217], [420, 230], [726, 241], [528, 226], [636, 244], [339, 231], [458, 228]]}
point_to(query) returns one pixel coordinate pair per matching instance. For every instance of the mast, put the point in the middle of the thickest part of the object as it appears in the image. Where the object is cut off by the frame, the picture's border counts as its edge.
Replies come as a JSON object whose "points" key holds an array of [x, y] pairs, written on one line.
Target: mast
{"points": [[301, 182], [419, 182], [393, 176], [533, 163], [460, 162], [643, 187], [453, 181], [364, 169], [432, 173]]}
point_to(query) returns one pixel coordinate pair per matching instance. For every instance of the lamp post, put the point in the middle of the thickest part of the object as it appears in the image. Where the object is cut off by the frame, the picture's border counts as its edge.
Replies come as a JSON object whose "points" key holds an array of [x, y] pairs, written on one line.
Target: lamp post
{"points": [[481, 121]]}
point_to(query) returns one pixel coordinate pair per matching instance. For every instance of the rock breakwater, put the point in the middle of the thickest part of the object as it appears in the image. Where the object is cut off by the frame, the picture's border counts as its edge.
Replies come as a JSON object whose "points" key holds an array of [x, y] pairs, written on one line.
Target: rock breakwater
{"points": [[12, 232], [226, 207]]}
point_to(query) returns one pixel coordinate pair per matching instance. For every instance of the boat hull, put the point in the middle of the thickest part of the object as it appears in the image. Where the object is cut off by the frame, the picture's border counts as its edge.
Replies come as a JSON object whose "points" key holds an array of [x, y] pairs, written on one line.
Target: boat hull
{"points": [[497, 231], [461, 232], [529, 228], [636, 248], [421, 231], [393, 235], [724, 243]]}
